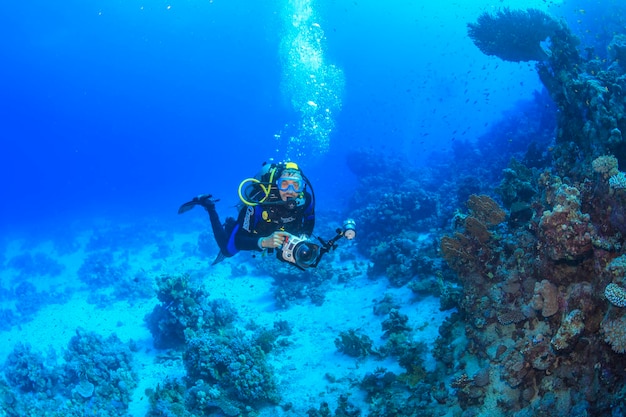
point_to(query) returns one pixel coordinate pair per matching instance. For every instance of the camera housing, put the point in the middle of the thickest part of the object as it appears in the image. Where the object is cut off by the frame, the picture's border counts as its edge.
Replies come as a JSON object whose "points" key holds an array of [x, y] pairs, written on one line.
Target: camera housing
{"points": [[301, 251], [305, 253]]}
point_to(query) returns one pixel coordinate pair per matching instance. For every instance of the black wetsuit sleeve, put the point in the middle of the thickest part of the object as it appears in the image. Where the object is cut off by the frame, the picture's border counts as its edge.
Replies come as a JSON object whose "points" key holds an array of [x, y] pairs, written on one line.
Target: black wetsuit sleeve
{"points": [[308, 221], [245, 239]]}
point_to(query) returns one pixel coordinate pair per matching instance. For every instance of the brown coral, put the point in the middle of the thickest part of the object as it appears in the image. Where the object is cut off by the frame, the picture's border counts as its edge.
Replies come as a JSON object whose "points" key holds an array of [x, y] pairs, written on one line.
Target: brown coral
{"points": [[485, 209], [477, 229], [510, 316], [455, 249], [546, 298], [565, 231], [606, 165]]}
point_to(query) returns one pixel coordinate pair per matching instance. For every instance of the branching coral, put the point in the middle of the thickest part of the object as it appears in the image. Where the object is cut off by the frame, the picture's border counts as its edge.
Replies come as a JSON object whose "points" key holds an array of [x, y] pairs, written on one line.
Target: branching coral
{"points": [[618, 181], [513, 35]]}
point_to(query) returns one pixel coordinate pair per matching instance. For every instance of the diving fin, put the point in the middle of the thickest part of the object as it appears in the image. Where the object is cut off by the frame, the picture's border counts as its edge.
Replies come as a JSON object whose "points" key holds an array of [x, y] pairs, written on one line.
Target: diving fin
{"points": [[205, 200], [219, 258]]}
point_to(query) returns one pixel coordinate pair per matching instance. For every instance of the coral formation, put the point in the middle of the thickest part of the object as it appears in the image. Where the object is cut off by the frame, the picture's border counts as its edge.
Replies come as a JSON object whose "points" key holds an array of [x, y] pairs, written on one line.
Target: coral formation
{"points": [[615, 294], [618, 181], [185, 308], [546, 298], [615, 333], [236, 365], [537, 276], [28, 371], [565, 232], [354, 344], [513, 35], [568, 333], [95, 374], [605, 165]]}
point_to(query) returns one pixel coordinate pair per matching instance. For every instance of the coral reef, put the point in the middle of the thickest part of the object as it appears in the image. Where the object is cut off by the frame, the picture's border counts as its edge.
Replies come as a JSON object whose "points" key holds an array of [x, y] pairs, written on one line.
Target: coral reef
{"points": [[513, 35], [536, 275], [354, 344], [382, 213], [565, 232], [100, 270], [96, 376], [29, 371], [29, 265], [615, 333], [185, 308], [235, 365], [568, 333], [472, 250], [107, 364], [403, 257], [545, 298]]}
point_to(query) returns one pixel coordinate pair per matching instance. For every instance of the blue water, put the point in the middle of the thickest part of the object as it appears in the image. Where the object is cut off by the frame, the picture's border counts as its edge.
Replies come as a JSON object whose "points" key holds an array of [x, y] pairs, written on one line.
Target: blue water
{"points": [[118, 111], [132, 106]]}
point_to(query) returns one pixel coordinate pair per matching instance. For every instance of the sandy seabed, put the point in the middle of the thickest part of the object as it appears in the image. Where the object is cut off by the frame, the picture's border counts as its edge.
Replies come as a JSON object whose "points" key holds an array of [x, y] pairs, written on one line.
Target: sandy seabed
{"points": [[309, 370]]}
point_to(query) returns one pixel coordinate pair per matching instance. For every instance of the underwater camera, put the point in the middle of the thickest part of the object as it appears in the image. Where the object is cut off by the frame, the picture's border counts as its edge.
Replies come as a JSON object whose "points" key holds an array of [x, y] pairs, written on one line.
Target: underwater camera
{"points": [[305, 253], [301, 251]]}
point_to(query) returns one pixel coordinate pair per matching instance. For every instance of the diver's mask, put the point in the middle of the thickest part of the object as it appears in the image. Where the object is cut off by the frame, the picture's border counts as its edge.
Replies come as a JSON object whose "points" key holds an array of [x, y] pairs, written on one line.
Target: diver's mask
{"points": [[293, 184]]}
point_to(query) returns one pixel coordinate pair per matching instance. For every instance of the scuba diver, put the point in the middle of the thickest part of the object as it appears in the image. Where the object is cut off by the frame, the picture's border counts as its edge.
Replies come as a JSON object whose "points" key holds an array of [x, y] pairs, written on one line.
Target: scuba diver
{"points": [[278, 212]]}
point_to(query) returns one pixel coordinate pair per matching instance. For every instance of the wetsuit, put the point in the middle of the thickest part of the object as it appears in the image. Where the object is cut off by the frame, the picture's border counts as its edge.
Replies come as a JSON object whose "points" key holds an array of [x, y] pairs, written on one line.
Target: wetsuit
{"points": [[255, 222]]}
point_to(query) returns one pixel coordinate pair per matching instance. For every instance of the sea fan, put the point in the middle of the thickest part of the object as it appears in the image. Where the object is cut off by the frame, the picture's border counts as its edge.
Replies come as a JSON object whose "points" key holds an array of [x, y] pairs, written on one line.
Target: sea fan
{"points": [[513, 35]]}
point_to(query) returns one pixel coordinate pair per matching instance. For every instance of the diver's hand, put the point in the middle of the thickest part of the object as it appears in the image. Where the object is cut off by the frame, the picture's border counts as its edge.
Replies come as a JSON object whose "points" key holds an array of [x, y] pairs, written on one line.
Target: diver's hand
{"points": [[275, 240]]}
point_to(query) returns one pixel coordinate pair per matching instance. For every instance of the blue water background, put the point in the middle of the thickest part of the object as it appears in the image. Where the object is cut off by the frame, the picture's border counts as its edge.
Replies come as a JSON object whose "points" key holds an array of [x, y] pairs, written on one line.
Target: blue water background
{"points": [[128, 108]]}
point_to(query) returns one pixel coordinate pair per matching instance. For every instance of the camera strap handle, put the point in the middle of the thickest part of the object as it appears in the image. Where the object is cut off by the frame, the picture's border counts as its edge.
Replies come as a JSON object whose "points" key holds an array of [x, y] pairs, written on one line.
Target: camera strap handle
{"points": [[327, 246]]}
